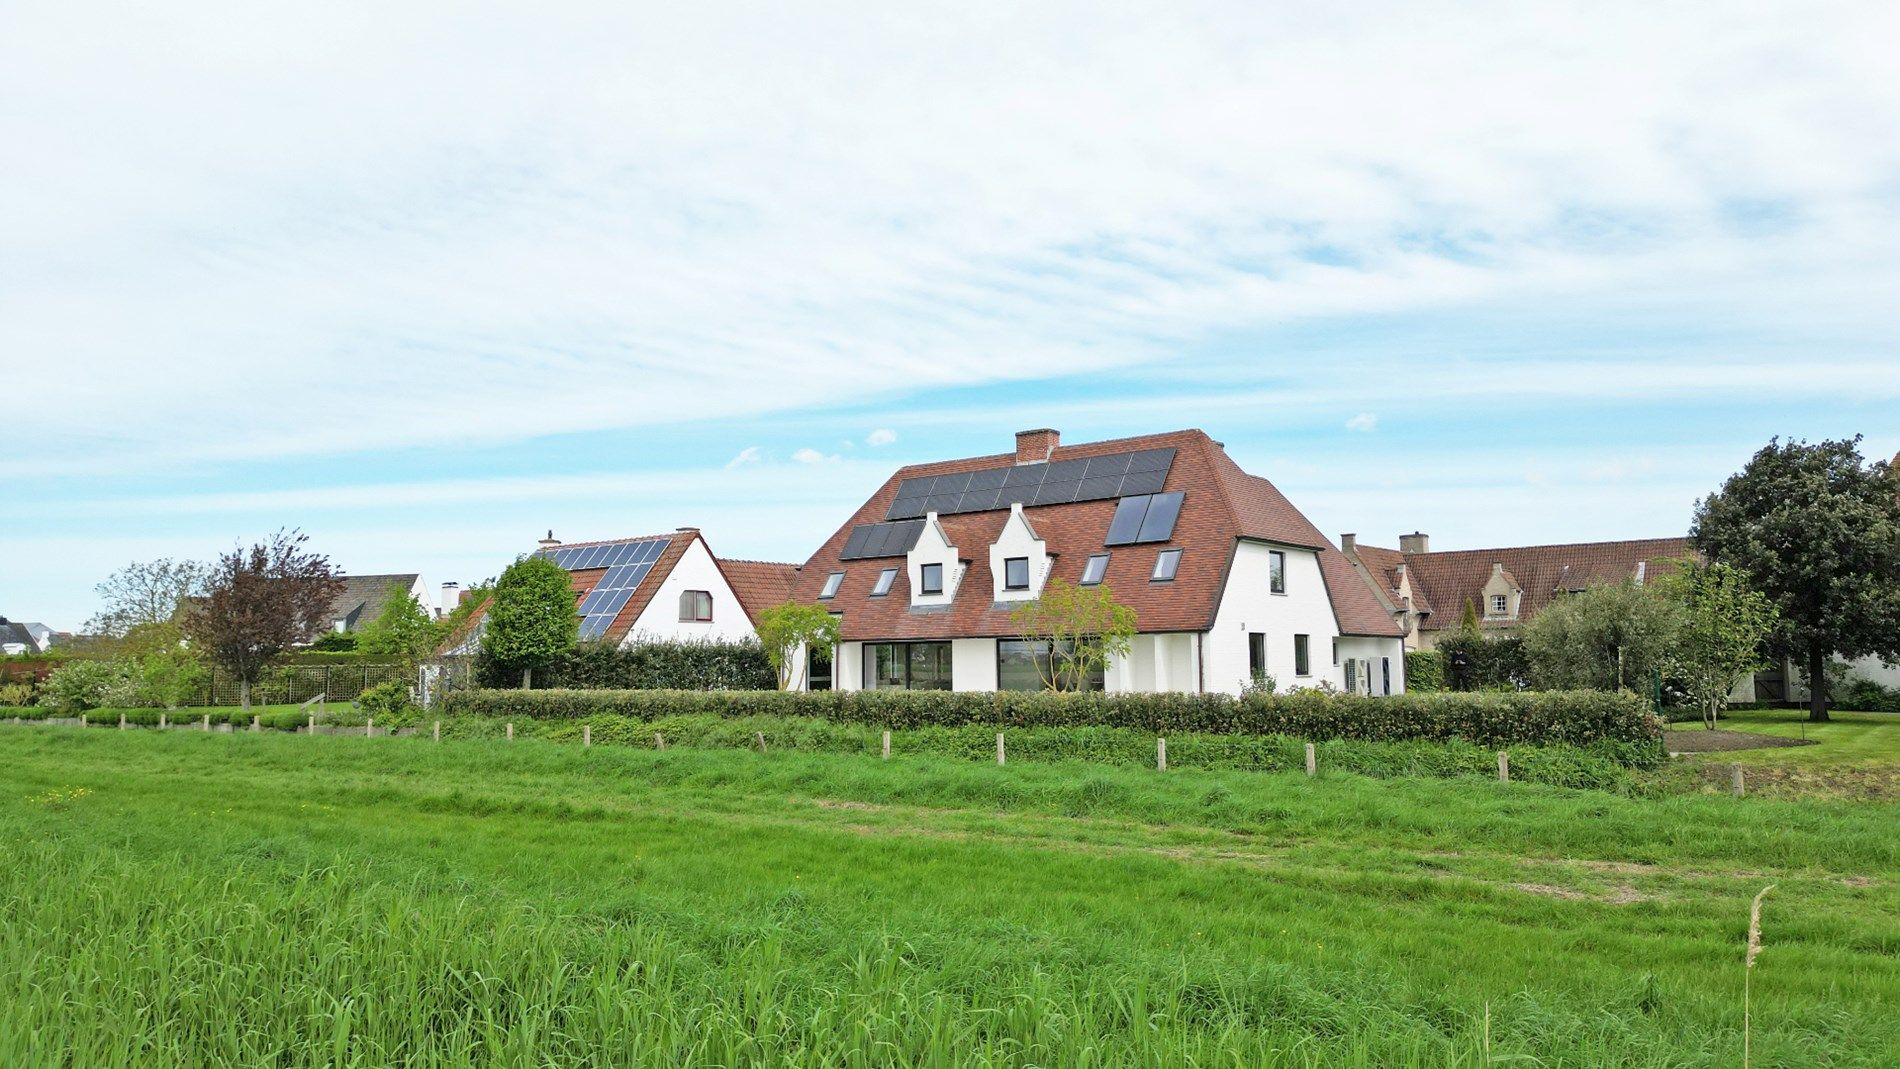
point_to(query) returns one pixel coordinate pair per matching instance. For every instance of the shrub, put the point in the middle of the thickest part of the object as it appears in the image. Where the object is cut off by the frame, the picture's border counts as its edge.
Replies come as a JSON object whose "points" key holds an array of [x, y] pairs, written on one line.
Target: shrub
{"points": [[1424, 671], [17, 694], [389, 701], [669, 665], [1495, 662], [1499, 719], [80, 685], [169, 679]]}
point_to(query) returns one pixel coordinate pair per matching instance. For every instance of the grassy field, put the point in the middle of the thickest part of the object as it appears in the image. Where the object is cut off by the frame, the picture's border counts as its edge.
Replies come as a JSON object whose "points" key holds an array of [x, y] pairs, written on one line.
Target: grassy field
{"points": [[236, 899]]}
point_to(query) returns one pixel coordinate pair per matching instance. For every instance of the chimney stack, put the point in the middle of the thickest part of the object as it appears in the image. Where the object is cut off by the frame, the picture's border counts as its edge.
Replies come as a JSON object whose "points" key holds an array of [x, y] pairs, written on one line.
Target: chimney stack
{"points": [[451, 597], [550, 541], [1416, 542], [1035, 447], [1348, 543]]}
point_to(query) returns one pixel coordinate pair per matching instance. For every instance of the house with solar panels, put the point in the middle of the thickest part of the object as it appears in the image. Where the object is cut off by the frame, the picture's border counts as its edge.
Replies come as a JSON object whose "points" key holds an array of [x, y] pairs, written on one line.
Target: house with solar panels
{"points": [[1228, 580], [650, 588]]}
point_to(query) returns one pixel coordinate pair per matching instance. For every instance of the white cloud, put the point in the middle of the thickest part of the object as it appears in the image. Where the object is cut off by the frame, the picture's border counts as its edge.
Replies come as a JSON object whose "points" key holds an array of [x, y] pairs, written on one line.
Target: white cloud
{"points": [[881, 436], [1364, 421], [429, 229], [809, 455], [749, 455]]}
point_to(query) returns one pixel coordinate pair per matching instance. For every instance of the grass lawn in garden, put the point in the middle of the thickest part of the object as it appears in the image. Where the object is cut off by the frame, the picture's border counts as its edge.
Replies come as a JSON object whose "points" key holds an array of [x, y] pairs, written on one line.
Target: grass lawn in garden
{"points": [[1853, 755], [1848, 739], [180, 898]]}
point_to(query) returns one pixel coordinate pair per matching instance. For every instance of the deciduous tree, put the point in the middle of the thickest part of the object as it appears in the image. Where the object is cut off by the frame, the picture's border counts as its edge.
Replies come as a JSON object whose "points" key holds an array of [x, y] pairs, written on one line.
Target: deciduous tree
{"points": [[1078, 629], [1608, 637], [791, 633], [1816, 530], [258, 602], [531, 617], [1723, 626], [404, 630], [146, 593]]}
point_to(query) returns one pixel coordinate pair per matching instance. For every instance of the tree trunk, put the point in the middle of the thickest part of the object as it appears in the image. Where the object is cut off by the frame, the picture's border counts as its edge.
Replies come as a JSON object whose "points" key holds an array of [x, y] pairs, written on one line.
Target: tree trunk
{"points": [[527, 678], [244, 694], [1817, 685]]}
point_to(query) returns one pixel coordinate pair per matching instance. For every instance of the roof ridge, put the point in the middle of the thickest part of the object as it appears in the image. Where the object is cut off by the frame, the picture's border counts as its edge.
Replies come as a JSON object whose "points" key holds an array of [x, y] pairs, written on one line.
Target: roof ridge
{"points": [[751, 560], [1191, 431], [1544, 545], [617, 541]]}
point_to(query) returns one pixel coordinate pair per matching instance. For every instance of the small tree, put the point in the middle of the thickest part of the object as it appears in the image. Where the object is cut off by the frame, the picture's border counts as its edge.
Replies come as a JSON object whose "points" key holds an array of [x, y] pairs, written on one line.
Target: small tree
{"points": [[1609, 637], [792, 632], [531, 617], [404, 630], [1817, 531], [146, 593], [1723, 627], [260, 602], [1080, 629]]}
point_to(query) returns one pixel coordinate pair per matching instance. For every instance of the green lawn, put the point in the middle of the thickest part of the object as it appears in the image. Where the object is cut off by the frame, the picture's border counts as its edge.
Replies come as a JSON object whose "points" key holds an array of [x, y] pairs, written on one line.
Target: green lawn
{"points": [[248, 899], [1848, 739]]}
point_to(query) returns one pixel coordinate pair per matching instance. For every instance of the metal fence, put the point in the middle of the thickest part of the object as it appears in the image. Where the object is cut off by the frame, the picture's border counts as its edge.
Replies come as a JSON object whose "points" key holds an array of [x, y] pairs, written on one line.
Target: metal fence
{"points": [[294, 683]]}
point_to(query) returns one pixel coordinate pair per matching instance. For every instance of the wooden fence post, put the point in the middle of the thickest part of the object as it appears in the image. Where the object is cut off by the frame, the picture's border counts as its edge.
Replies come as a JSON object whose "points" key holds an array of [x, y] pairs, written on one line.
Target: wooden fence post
{"points": [[887, 746], [999, 748], [121, 721], [205, 724], [82, 720], [257, 723], [759, 737], [369, 726], [438, 731], [1737, 775], [161, 720], [1312, 759], [511, 731], [587, 734], [659, 741], [1161, 755], [1504, 766], [313, 723]]}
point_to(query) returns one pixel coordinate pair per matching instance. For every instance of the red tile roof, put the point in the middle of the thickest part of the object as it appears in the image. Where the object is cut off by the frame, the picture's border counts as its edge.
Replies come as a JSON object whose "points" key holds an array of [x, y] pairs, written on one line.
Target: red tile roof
{"points": [[1221, 506], [1443, 581], [759, 584]]}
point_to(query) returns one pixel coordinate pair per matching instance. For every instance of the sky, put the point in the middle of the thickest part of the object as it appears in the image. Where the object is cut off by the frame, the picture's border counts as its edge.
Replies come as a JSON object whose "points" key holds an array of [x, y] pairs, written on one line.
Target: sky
{"points": [[426, 280]]}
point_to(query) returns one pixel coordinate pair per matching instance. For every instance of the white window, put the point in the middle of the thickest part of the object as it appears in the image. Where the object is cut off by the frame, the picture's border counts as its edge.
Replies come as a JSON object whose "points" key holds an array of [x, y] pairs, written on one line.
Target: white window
{"points": [[1500, 605], [1166, 564], [1095, 569], [695, 607], [884, 580], [832, 583]]}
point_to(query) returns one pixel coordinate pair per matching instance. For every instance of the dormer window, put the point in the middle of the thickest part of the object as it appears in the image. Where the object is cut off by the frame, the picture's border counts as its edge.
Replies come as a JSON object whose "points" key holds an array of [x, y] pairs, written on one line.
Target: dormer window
{"points": [[1500, 605], [1016, 573], [930, 579], [1095, 569], [832, 583], [884, 580], [1166, 564]]}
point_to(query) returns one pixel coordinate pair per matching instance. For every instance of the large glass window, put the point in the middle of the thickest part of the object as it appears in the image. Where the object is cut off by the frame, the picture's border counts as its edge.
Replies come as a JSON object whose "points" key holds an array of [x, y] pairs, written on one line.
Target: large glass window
{"points": [[1016, 573], [907, 666], [1025, 664], [1095, 569], [1302, 662], [1276, 570], [931, 576]]}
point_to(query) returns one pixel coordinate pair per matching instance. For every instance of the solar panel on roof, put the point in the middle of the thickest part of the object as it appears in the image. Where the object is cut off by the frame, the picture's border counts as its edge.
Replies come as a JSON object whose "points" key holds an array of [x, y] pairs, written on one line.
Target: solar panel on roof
{"points": [[626, 565], [1060, 482], [869, 540]]}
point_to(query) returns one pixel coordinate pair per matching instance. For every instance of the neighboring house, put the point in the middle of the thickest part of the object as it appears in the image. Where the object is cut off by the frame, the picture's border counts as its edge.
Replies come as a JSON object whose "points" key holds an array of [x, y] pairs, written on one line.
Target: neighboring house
{"points": [[364, 598], [1227, 579], [655, 588], [17, 639], [1426, 592]]}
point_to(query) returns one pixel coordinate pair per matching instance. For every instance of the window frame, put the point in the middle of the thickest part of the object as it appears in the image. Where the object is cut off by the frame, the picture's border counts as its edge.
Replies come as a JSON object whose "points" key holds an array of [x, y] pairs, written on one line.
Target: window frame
{"points": [[901, 653], [1090, 564], [1303, 656], [1096, 683], [1166, 555], [1009, 568], [833, 583], [886, 579], [923, 579], [1256, 654], [1276, 571], [697, 598], [1500, 604]]}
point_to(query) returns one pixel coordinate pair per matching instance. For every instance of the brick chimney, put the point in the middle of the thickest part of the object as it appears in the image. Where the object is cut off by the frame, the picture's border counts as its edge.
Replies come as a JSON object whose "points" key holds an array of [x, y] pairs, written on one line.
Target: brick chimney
{"points": [[1035, 447], [1416, 542], [1348, 543]]}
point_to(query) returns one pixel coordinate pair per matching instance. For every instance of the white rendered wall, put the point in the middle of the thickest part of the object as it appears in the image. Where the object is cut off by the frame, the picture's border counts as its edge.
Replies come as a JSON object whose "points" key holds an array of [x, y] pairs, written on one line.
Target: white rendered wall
{"points": [[973, 664], [1369, 652], [696, 570], [1018, 539], [847, 667], [933, 547], [1249, 604]]}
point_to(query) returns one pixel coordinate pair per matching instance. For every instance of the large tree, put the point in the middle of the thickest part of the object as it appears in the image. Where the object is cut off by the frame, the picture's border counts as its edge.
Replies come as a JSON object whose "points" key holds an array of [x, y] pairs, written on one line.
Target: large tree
{"points": [[1076, 631], [1613, 636], [1816, 530], [531, 617], [259, 602], [146, 593]]}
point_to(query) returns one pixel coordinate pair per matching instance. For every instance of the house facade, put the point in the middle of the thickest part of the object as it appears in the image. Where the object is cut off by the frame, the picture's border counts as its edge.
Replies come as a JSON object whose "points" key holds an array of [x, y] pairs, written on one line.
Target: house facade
{"points": [[1425, 592], [1228, 581]]}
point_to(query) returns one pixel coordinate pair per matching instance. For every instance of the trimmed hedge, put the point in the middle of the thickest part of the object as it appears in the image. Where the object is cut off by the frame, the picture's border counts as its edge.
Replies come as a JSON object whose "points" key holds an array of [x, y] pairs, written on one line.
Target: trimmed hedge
{"points": [[1574, 718], [681, 665]]}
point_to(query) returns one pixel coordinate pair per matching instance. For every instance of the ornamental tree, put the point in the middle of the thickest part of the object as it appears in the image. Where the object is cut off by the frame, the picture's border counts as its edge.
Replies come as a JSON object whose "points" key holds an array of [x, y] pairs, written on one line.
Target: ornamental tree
{"points": [[1608, 637], [1723, 627], [1816, 530], [1076, 630], [531, 617], [791, 633], [404, 630], [259, 602]]}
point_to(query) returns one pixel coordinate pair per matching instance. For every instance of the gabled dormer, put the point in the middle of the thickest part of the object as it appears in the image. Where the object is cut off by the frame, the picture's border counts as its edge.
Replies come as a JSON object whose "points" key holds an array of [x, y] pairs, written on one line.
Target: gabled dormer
{"points": [[933, 567], [1502, 595], [1019, 561]]}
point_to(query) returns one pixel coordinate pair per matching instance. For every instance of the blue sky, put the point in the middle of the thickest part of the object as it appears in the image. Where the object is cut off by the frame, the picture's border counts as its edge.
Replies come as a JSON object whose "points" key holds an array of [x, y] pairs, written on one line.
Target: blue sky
{"points": [[426, 282]]}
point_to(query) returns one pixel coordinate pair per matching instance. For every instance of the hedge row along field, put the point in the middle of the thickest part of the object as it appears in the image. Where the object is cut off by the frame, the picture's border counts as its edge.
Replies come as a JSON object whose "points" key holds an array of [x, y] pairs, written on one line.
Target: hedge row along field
{"points": [[1569, 718]]}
